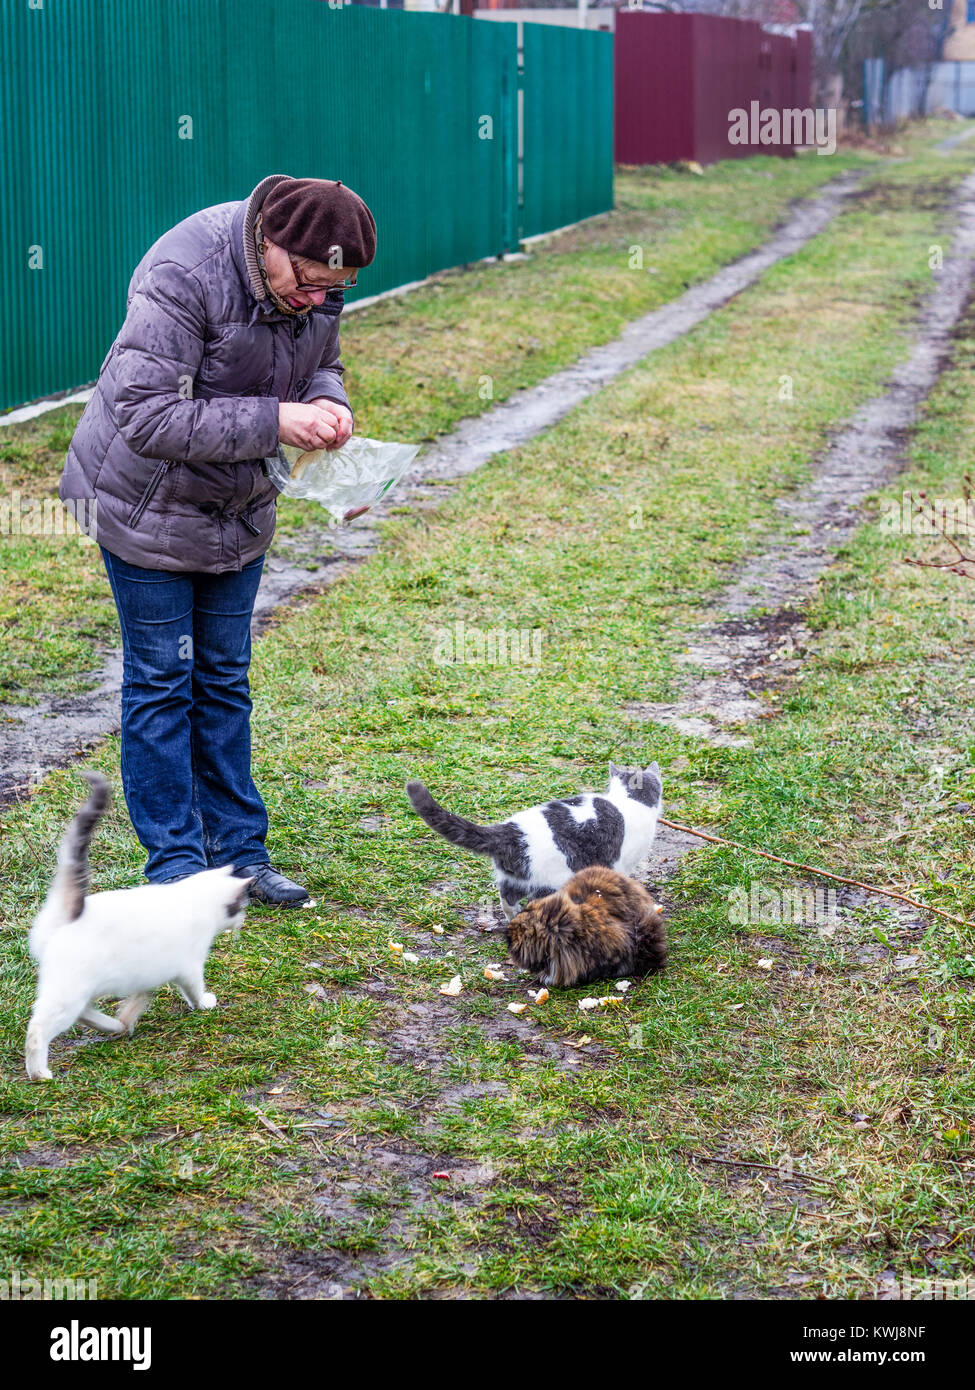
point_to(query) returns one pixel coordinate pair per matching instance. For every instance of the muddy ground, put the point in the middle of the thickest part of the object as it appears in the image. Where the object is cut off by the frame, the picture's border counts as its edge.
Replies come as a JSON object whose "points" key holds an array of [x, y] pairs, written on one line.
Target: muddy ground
{"points": [[743, 653]]}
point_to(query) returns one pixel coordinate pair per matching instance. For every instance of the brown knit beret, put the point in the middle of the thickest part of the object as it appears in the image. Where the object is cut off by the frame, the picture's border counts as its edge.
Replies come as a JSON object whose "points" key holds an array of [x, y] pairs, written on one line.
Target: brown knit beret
{"points": [[313, 217]]}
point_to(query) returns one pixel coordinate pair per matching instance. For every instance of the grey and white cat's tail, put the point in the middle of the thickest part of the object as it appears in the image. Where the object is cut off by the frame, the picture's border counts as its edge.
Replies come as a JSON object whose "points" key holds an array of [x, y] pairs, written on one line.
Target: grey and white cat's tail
{"points": [[481, 839], [65, 900]]}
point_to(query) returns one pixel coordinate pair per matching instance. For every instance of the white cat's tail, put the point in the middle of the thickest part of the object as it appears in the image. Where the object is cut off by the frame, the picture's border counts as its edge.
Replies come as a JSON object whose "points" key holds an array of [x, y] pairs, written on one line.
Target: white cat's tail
{"points": [[65, 900]]}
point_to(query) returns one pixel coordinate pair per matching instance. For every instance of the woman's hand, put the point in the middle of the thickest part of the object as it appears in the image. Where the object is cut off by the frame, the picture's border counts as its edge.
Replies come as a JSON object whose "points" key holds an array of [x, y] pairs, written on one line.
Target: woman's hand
{"points": [[341, 418], [334, 418], [307, 426]]}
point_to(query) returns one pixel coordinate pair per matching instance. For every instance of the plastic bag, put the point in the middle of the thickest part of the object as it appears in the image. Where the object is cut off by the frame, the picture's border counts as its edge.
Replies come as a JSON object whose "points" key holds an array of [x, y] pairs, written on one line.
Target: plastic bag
{"points": [[356, 475]]}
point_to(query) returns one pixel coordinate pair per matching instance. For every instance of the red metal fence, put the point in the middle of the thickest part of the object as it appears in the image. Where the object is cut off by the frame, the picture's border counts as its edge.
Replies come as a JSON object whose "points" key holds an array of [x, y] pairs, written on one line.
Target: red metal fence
{"points": [[678, 78]]}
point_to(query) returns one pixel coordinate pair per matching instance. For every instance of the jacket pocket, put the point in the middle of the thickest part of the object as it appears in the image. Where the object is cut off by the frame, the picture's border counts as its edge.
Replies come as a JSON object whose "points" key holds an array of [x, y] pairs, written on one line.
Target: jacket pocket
{"points": [[143, 502]]}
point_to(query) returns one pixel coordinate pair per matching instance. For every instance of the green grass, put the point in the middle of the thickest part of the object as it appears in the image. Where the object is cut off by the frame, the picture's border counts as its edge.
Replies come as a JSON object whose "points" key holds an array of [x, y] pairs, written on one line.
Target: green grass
{"points": [[415, 366], [571, 1176]]}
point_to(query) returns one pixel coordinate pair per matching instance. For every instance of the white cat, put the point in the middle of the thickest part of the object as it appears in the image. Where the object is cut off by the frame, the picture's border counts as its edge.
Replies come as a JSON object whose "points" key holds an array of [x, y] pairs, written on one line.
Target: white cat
{"points": [[124, 944]]}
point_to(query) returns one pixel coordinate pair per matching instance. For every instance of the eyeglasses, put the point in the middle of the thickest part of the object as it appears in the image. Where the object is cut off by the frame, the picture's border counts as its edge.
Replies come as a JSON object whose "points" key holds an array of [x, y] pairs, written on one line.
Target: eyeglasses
{"points": [[347, 283]]}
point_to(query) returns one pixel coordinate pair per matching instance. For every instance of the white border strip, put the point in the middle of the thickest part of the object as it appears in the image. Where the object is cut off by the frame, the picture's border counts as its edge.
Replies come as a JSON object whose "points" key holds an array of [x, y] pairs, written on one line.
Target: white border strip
{"points": [[27, 412]]}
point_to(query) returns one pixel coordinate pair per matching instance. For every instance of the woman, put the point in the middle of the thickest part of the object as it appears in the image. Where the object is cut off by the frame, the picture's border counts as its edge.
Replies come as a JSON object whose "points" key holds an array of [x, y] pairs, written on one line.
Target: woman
{"points": [[230, 344]]}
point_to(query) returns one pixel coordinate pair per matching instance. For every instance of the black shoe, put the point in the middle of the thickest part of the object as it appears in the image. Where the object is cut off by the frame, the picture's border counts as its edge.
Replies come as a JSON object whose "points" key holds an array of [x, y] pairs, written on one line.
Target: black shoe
{"points": [[270, 887]]}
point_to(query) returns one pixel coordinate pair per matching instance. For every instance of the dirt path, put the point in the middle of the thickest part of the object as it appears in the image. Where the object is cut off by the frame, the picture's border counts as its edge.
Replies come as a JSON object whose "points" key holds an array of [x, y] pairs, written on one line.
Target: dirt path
{"points": [[36, 738], [341, 1179], [946, 146], [339, 1173], [744, 653]]}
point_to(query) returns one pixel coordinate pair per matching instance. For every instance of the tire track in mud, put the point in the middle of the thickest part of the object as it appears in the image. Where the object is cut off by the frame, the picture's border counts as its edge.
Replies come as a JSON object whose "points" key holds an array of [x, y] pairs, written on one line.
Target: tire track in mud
{"points": [[953, 141], [34, 738], [760, 636]]}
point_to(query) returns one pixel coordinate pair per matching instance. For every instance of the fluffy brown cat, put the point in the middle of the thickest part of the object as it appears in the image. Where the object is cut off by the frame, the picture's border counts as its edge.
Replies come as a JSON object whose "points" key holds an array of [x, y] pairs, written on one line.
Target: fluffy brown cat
{"points": [[600, 926]]}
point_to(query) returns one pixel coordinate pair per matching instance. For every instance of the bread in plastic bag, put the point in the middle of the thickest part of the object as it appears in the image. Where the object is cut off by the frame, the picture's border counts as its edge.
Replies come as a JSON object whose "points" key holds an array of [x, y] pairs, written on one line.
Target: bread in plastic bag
{"points": [[356, 475]]}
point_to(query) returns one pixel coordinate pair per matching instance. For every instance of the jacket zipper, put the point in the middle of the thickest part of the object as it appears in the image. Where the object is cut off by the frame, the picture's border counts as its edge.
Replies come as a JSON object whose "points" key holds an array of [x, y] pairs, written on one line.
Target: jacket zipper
{"points": [[298, 326], [146, 497]]}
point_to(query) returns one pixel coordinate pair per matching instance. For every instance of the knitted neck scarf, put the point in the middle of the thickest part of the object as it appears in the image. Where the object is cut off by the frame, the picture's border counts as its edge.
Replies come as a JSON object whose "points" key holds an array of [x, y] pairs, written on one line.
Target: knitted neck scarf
{"points": [[261, 247]]}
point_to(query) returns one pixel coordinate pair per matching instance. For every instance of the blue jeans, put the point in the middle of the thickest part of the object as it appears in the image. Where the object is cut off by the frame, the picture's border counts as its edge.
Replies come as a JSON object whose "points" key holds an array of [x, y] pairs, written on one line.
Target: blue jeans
{"points": [[186, 752]]}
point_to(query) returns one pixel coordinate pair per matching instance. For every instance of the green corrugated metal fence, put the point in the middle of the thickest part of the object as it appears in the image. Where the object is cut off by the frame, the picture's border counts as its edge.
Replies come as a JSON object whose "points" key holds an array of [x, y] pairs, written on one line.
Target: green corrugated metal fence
{"points": [[568, 126], [118, 118]]}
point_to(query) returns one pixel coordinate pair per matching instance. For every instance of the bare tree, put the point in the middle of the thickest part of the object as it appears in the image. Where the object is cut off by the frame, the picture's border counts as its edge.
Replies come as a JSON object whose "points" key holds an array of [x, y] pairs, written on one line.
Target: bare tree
{"points": [[906, 33]]}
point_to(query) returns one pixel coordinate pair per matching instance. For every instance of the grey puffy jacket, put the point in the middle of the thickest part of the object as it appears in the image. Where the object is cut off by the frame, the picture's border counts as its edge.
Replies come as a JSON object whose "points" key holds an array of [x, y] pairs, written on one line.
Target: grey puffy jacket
{"points": [[173, 441]]}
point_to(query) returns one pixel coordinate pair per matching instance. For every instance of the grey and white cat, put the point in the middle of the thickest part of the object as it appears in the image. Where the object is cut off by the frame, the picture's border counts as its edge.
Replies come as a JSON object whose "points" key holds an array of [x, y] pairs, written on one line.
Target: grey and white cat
{"points": [[124, 944], [537, 851]]}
